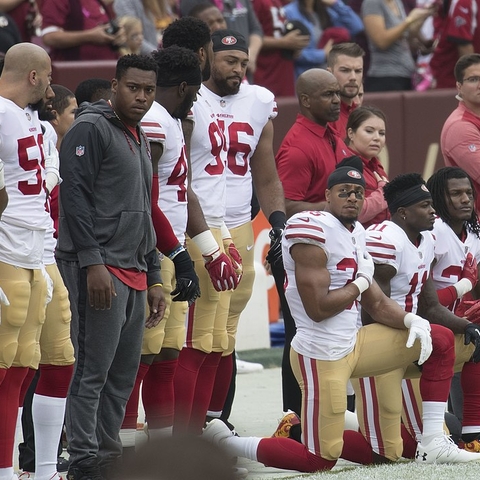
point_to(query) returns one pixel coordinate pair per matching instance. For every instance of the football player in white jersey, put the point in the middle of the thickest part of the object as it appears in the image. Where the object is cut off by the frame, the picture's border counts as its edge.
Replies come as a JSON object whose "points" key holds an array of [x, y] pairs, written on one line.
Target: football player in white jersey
{"points": [[244, 113], [25, 81], [45, 401], [328, 270], [403, 251], [178, 81], [206, 337]]}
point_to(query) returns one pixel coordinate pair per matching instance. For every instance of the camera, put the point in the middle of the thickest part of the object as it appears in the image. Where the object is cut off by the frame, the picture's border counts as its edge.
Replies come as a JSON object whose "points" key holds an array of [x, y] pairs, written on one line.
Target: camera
{"points": [[112, 28]]}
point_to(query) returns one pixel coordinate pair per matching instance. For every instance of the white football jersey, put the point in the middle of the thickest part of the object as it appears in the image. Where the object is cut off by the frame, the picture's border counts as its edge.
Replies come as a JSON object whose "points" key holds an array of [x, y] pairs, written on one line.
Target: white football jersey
{"points": [[388, 244], [450, 253], [208, 167], [334, 337], [161, 127], [242, 118], [24, 221]]}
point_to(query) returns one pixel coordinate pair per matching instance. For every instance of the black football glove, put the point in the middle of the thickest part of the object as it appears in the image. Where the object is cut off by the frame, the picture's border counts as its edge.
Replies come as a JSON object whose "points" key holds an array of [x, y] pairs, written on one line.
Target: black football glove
{"points": [[472, 335], [274, 255], [187, 287]]}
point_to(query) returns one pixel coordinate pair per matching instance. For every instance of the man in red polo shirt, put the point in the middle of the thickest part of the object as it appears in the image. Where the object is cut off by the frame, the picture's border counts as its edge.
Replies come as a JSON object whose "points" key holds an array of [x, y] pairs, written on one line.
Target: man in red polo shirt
{"points": [[460, 138]]}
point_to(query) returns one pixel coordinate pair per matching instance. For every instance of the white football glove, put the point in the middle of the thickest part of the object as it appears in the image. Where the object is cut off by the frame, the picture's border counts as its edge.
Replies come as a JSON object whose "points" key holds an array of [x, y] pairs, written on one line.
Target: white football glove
{"points": [[52, 165], [49, 281], [419, 328], [365, 270], [3, 301]]}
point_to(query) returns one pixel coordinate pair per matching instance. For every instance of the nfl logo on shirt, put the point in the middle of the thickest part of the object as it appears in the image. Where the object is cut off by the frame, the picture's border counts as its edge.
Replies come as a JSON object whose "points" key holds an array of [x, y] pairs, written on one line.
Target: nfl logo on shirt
{"points": [[80, 150]]}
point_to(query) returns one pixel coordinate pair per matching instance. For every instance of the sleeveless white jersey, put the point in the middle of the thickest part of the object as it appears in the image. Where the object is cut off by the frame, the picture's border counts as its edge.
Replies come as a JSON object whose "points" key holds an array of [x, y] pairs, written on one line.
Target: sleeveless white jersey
{"points": [[242, 118], [24, 221], [161, 127], [208, 167], [388, 244], [334, 337], [450, 253]]}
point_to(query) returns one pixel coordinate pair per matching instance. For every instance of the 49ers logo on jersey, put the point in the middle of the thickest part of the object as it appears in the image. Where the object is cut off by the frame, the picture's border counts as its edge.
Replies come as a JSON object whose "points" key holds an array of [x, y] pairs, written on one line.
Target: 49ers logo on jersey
{"points": [[229, 40]]}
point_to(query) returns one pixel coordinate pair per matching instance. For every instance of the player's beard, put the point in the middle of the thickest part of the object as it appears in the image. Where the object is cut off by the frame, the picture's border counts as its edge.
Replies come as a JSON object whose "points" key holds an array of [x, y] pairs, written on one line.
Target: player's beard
{"points": [[224, 88], [45, 112], [182, 110]]}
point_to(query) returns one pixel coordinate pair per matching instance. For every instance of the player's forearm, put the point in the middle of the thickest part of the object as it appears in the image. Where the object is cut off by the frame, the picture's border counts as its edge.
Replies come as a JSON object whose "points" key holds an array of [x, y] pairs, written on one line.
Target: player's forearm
{"points": [[294, 206], [440, 315], [270, 196], [196, 221]]}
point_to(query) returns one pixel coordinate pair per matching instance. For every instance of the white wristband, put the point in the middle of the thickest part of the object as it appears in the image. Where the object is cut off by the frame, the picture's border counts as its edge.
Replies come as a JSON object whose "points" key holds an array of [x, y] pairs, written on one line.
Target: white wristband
{"points": [[462, 287], [362, 284], [2, 176], [408, 319], [206, 243], [225, 232]]}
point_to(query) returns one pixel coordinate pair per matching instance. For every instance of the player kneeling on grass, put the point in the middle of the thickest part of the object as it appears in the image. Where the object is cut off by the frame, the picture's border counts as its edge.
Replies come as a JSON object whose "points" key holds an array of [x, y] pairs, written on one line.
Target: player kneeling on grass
{"points": [[328, 274]]}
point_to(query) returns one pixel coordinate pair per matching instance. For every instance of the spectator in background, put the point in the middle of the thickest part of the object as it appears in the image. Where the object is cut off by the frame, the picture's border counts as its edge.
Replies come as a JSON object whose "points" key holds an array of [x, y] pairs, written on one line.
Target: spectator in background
{"points": [[9, 33], [366, 138], [155, 15], [275, 61], [80, 30], [319, 16], [345, 61], [92, 89], [25, 14], [240, 17], [458, 32], [460, 138], [133, 33], [210, 14], [389, 30]]}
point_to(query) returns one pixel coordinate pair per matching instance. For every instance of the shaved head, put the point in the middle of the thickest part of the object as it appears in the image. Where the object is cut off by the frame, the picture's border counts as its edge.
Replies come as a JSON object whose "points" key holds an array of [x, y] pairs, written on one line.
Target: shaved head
{"points": [[318, 96], [26, 75], [22, 58], [310, 80]]}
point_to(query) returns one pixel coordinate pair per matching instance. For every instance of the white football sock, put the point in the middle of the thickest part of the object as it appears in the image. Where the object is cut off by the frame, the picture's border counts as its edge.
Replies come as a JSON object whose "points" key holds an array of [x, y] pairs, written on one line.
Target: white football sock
{"points": [[433, 418], [48, 415]]}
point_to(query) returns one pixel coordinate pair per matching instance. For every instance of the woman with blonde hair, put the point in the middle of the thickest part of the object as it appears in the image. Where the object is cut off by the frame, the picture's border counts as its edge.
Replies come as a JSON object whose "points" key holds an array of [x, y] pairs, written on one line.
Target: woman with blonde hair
{"points": [[155, 16]]}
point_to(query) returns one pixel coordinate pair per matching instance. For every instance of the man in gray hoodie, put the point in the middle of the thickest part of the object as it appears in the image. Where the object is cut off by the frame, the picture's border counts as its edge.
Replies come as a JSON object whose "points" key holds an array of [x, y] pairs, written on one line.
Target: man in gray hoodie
{"points": [[106, 253]]}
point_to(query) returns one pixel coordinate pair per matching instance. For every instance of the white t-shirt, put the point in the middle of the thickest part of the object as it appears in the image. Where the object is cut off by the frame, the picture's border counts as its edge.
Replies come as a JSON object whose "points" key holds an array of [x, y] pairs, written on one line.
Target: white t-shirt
{"points": [[334, 337], [161, 127], [388, 244], [24, 221], [242, 118]]}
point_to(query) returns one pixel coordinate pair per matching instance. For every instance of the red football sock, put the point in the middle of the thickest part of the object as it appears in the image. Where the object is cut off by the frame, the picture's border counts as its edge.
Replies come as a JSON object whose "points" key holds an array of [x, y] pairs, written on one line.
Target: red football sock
{"points": [[26, 383], [54, 380], [437, 371], [9, 400], [409, 444], [190, 361], [203, 392], [223, 378], [158, 394], [131, 410], [290, 455], [470, 379], [356, 448]]}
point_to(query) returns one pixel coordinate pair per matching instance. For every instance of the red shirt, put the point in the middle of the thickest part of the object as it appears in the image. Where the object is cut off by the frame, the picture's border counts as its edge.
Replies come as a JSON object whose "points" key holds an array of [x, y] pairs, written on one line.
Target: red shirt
{"points": [[86, 14], [459, 27], [273, 71], [374, 207], [306, 158], [460, 144], [341, 124]]}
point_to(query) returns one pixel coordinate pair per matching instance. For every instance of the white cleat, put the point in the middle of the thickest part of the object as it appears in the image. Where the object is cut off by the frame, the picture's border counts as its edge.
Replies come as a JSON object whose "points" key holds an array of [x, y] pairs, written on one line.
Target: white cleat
{"points": [[443, 449], [216, 432], [248, 367]]}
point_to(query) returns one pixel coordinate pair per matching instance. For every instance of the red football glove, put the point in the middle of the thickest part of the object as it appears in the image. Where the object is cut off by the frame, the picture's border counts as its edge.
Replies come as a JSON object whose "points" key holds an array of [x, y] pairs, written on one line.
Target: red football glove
{"points": [[221, 272], [235, 257], [469, 309], [470, 269]]}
